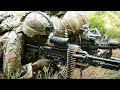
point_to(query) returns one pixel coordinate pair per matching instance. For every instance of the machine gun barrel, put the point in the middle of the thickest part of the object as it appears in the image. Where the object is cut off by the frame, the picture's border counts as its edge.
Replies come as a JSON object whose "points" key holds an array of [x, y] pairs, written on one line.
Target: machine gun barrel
{"points": [[108, 46], [82, 57], [100, 46], [107, 63], [55, 53], [59, 53]]}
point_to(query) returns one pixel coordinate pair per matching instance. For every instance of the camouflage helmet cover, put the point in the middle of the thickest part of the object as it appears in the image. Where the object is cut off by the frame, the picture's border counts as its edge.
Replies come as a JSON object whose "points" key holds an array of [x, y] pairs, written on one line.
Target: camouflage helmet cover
{"points": [[3, 15], [37, 23], [74, 20]]}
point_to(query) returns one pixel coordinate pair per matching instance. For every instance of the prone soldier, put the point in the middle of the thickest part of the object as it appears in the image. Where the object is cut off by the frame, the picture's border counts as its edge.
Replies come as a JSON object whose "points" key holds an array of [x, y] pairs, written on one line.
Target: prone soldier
{"points": [[75, 26], [70, 26], [33, 28]]}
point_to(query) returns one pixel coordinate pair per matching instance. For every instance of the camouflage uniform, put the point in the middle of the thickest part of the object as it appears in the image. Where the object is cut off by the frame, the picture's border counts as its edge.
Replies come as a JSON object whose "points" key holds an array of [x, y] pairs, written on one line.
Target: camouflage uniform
{"points": [[34, 29], [59, 14], [7, 23], [75, 26], [70, 25]]}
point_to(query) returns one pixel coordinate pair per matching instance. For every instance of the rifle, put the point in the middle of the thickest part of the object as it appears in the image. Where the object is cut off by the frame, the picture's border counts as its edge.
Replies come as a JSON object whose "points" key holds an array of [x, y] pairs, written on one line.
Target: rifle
{"points": [[63, 51], [89, 45]]}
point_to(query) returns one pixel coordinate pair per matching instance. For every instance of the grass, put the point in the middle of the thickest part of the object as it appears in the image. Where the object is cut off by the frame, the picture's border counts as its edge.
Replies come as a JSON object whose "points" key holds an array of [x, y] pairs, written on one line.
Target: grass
{"points": [[9, 75], [112, 75], [46, 73], [108, 22]]}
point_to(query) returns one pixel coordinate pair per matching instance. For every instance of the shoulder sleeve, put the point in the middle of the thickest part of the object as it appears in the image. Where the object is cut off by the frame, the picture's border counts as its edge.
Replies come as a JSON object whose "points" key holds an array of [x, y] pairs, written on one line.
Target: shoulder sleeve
{"points": [[12, 51]]}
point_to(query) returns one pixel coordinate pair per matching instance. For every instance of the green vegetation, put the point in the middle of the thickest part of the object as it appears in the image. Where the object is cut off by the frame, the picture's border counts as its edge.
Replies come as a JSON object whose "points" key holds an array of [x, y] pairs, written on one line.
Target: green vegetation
{"points": [[108, 22], [9, 75], [46, 74], [112, 76]]}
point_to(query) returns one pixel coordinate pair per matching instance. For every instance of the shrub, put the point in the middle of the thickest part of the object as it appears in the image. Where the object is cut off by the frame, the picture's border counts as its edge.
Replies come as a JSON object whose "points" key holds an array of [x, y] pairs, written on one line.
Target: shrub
{"points": [[108, 22]]}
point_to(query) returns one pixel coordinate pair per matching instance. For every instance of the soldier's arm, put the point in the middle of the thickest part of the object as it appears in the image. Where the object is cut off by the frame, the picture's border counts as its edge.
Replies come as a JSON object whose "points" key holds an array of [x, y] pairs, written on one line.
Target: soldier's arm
{"points": [[12, 52], [9, 23]]}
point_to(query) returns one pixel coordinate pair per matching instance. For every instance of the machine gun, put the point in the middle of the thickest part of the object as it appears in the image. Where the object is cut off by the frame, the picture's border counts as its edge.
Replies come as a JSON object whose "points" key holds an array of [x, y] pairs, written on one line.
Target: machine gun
{"points": [[63, 51]]}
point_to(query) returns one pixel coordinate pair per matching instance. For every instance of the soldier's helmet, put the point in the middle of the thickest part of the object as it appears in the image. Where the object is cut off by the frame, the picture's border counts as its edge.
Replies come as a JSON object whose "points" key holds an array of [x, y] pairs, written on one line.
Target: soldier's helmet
{"points": [[74, 20], [3, 15], [37, 23]]}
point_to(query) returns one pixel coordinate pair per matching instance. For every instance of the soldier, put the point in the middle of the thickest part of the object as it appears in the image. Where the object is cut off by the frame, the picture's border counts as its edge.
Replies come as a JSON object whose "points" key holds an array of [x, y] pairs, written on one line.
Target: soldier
{"points": [[7, 23], [3, 15], [75, 26], [70, 26], [33, 28]]}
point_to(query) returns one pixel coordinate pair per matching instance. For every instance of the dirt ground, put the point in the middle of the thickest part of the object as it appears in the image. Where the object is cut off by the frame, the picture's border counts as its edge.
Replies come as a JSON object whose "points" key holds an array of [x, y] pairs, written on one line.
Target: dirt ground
{"points": [[100, 73]]}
